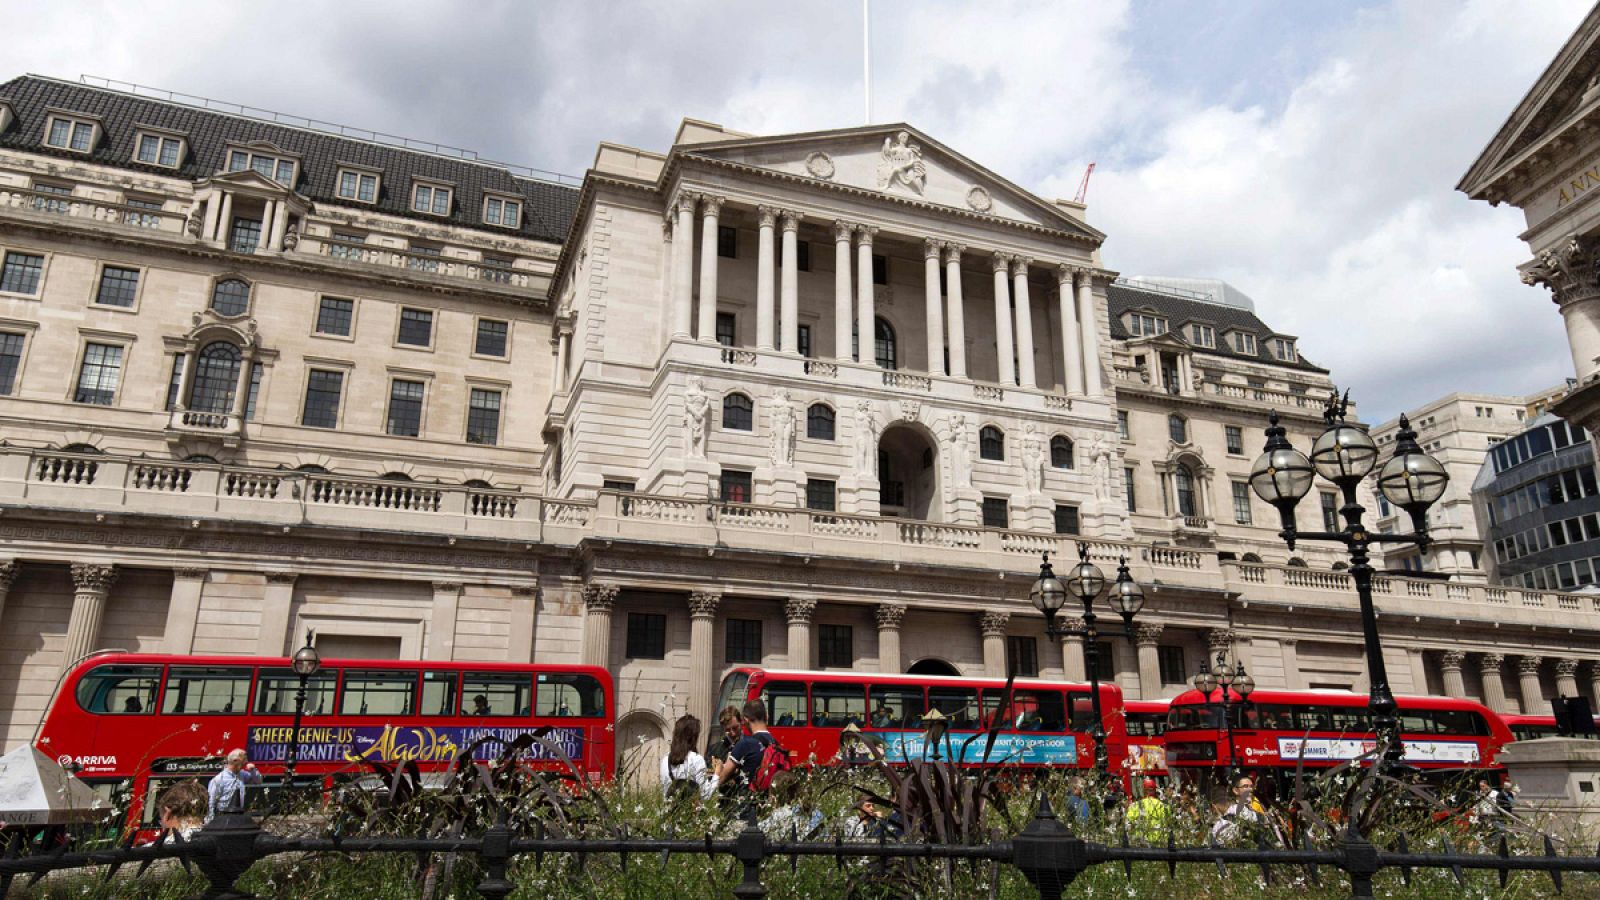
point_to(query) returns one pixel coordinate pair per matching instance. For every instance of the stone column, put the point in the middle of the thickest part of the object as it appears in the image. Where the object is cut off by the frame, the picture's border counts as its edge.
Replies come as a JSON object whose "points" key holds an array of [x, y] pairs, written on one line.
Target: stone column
{"points": [[843, 299], [955, 312], [1002, 322], [993, 626], [597, 602], [213, 212], [1071, 341], [1072, 665], [8, 574], [890, 615], [280, 225], [183, 610], [789, 284], [683, 267], [225, 223], [1594, 683], [1019, 290], [563, 349], [241, 385], [1089, 328], [866, 316], [91, 586], [441, 642], [524, 623], [767, 219], [277, 605], [702, 653], [1528, 676], [799, 611], [1566, 678], [1494, 691], [710, 209], [933, 305], [264, 240], [1290, 649], [1148, 636], [1450, 663]]}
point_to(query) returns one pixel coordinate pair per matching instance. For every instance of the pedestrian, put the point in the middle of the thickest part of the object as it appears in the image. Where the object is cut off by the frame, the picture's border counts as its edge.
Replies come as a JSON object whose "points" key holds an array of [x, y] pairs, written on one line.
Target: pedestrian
{"points": [[746, 756], [1245, 818], [226, 791], [789, 819], [683, 771], [868, 822], [1491, 803], [730, 727], [1149, 817], [181, 809], [1077, 807]]}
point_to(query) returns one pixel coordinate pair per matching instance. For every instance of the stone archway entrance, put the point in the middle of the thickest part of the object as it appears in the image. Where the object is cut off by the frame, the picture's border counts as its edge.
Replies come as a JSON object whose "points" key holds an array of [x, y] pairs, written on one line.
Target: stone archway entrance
{"points": [[933, 666], [641, 742], [908, 473]]}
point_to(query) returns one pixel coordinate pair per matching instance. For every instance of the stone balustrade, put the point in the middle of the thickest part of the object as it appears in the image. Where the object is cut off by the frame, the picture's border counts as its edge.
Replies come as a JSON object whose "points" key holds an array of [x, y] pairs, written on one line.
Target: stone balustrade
{"points": [[423, 263], [14, 199]]}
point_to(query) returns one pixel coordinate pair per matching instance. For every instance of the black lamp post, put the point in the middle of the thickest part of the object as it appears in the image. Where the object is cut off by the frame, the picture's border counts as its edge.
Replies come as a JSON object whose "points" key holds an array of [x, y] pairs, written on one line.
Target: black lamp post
{"points": [[1345, 454], [306, 663], [1235, 680], [1085, 582]]}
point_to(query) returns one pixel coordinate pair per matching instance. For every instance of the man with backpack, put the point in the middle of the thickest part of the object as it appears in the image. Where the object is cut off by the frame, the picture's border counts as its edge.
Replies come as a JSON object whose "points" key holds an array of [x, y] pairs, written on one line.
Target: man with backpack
{"points": [[756, 757]]}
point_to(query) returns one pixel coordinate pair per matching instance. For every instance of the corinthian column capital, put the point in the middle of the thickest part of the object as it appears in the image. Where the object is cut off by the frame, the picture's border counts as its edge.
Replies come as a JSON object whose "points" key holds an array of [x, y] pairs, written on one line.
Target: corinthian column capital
{"points": [[890, 615], [93, 577], [1568, 270], [931, 249], [1566, 668], [710, 205], [1452, 659], [842, 230], [993, 623], [599, 597], [790, 220], [9, 569], [703, 604], [799, 610], [767, 216], [1148, 634]]}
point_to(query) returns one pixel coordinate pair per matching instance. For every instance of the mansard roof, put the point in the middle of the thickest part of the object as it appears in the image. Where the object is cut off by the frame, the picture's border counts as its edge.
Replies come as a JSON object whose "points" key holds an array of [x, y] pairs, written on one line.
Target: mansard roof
{"points": [[1181, 311], [547, 210]]}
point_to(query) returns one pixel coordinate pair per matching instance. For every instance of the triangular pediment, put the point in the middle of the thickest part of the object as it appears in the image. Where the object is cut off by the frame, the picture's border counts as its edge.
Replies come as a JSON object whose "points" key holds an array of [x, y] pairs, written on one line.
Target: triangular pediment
{"points": [[248, 178], [896, 161]]}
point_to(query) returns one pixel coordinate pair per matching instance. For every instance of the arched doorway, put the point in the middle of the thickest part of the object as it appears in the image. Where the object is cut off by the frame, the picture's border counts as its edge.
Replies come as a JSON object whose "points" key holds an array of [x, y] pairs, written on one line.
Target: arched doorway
{"points": [[908, 474], [933, 666], [641, 742]]}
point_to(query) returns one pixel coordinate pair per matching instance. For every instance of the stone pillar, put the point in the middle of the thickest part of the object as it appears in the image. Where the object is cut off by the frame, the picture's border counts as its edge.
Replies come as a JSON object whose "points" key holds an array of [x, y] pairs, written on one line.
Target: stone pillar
{"points": [[213, 212], [1002, 322], [710, 209], [183, 610], [8, 574], [563, 349], [767, 219], [441, 642], [866, 316], [1148, 637], [955, 312], [1290, 650], [1494, 691], [277, 605], [1450, 662], [890, 615], [597, 602], [843, 299], [1071, 341], [799, 611], [280, 225], [933, 305], [1566, 678], [683, 267], [264, 240], [524, 624], [1532, 694], [1019, 290], [241, 385], [702, 654], [789, 284], [1089, 329], [1594, 683], [993, 626], [225, 223], [1219, 640], [91, 586], [1072, 665]]}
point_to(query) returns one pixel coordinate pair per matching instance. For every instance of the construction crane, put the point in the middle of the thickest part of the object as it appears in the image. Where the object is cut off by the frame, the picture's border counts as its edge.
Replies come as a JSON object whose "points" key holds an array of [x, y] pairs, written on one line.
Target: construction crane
{"points": [[1083, 187]]}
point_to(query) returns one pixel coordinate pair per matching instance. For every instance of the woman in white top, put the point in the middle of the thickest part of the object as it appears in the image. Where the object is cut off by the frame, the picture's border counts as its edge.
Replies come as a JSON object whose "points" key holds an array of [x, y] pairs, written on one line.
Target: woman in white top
{"points": [[683, 770]]}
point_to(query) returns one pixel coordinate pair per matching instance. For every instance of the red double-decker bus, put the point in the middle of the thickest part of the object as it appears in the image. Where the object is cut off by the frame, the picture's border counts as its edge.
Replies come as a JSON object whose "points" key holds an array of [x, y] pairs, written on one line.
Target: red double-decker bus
{"points": [[1276, 731], [129, 721], [1531, 728], [1146, 724], [1045, 723]]}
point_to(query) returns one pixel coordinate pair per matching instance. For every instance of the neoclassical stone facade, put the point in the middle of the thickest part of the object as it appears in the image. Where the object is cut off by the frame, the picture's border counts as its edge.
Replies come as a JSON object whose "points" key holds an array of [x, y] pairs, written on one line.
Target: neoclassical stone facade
{"points": [[815, 401]]}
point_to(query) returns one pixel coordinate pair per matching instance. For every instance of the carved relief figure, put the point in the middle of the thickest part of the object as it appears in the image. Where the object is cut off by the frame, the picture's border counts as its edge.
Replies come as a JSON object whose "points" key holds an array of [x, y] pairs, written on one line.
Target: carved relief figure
{"points": [[866, 438], [902, 162], [782, 429], [960, 452], [697, 407], [1100, 452], [1032, 458]]}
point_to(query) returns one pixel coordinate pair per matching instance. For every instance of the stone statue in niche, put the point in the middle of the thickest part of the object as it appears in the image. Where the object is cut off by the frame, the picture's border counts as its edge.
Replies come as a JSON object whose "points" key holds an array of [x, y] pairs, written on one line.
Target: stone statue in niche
{"points": [[194, 224], [782, 429], [1032, 458], [1100, 452], [902, 164], [697, 407], [291, 238], [866, 438], [960, 452]]}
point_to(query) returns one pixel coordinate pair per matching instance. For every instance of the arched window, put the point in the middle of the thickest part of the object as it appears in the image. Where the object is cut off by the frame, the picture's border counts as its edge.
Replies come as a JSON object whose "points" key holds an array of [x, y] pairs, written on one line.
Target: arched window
{"points": [[819, 422], [1183, 480], [884, 345], [200, 458], [216, 378], [1178, 429], [231, 297], [1251, 558], [991, 443], [477, 483], [1061, 452], [1340, 567], [394, 476], [80, 448], [738, 413], [1297, 562], [312, 469]]}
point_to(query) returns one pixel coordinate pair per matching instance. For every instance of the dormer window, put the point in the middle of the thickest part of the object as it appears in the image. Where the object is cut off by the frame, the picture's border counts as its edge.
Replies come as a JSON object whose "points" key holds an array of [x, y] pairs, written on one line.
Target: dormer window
{"points": [[432, 199], [1282, 349], [158, 149], [502, 211], [6, 116], [1203, 335], [69, 133], [277, 168], [1145, 324], [1244, 343], [361, 187]]}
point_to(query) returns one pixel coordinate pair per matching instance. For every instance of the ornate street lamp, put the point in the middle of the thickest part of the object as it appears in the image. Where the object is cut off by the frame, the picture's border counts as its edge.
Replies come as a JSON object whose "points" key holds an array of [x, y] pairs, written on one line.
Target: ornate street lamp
{"points": [[305, 664], [1345, 454], [1235, 681], [1085, 582]]}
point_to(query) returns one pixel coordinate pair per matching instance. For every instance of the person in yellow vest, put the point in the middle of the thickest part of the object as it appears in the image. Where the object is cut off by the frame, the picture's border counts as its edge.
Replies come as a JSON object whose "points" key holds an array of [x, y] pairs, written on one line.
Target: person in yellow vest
{"points": [[1149, 818]]}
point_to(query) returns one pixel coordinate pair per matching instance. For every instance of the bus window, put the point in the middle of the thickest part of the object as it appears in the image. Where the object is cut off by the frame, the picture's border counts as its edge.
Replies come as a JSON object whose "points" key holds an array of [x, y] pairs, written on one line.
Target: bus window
{"points": [[786, 703], [1322, 718], [206, 691], [1342, 718], [1082, 706], [1030, 710], [838, 705], [1457, 722], [438, 694], [378, 692], [896, 707], [561, 694], [275, 693], [959, 705], [119, 690], [496, 694], [735, 691]]}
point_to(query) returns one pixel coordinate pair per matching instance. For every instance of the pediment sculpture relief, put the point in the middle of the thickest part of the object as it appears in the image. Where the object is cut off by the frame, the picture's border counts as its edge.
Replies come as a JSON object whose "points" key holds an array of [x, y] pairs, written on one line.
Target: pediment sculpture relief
{"points": [[902, 164]]}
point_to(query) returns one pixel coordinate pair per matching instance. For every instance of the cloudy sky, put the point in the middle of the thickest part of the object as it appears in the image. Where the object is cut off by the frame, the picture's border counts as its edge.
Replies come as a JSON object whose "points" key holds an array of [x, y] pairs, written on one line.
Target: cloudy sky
{"points": [[1304, 150]]}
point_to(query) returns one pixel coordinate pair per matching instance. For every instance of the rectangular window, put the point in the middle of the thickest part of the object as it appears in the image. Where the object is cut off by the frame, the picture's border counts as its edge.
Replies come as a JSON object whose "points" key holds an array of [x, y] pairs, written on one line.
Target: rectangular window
{"points": [[424, 258], [735, 487], [838, 705], [483, 417], [802, 255], [1122, 424], [896, 707], [1330, 511], [725, 328], [378, 693], [1241, 503], [880, 269], [1066, 519], [958, 705], [245, 235], [1283, 350], [1244, 343], [21, 273], [803, 338], [491, 338], [159, 151], [335, 315], [727, 242], [323, 388], [431, 199], [1235, 439], [416, 328], [1204, 335], [176, 383], [1105, 664], [48, 203], [254, 394], [820, 494], [996, 512], [345, 245], [206, 691], [647, 636], [279, 170], [70, 134], [496, 694], [405, 408], [1022, 656], [835, 646], [1141, 325], [118, 287], [10, 361], [1127, 488], [1172, 668], [502, 212], [743, 643], [102, 370], [358, 186]]}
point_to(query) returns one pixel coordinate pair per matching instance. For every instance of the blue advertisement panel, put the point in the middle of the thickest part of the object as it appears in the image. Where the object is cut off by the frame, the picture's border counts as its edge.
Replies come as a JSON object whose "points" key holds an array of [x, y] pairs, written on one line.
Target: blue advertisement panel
{"points": [[400, 743], [1027, 749]]}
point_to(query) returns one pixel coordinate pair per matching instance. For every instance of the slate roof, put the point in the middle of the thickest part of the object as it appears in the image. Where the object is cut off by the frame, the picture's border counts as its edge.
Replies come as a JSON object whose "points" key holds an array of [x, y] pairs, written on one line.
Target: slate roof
{"points": [[1180, 311], [547, 211]]}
